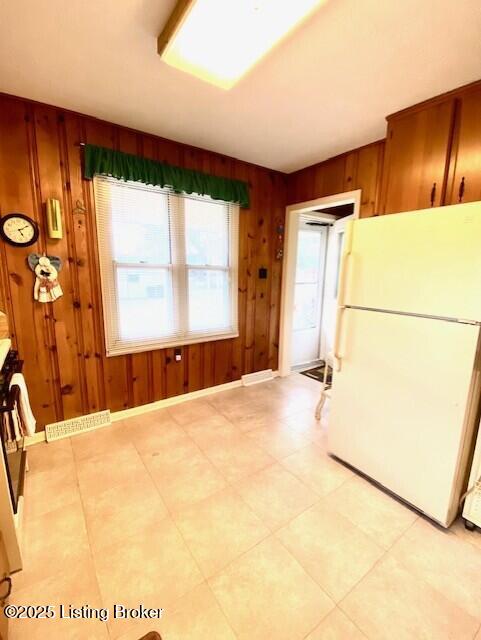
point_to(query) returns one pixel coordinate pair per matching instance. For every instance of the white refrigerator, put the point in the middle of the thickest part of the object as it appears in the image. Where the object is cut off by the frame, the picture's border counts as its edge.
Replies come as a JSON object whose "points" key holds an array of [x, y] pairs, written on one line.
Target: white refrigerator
{"points": [[406, 387]]}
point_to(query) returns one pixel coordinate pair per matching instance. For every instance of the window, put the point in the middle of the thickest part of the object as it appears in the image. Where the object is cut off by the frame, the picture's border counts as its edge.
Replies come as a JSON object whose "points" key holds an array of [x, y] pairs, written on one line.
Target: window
{"points": [[308, 268], [168, 266]]}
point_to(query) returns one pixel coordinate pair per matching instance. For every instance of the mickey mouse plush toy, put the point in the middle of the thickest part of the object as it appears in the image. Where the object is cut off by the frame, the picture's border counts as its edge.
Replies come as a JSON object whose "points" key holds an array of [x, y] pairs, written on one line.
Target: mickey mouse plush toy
{"points": [[46, 268]]}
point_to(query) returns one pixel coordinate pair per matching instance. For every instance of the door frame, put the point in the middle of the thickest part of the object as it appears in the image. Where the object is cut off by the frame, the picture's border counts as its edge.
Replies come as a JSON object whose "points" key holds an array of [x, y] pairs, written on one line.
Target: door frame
{"points": [[293, 213], [324, 236]]}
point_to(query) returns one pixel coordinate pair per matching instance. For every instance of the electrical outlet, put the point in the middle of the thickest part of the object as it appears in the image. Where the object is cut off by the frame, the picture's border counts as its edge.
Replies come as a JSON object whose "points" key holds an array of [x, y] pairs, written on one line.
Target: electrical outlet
{"points": [[178, 355]]}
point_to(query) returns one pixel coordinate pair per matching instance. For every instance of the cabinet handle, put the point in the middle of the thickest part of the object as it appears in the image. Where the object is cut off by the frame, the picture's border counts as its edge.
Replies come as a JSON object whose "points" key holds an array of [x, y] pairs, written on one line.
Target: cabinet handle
{"points": [[433, 194], [461, 190]]}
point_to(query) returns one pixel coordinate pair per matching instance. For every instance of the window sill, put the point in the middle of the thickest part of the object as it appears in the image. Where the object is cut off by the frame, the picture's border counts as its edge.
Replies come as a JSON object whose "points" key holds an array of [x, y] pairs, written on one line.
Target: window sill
{"points": [[126, 349]]}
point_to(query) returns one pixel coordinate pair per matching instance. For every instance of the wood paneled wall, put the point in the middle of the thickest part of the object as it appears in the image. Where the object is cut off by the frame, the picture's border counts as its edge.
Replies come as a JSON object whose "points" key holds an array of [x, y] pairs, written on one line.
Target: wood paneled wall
{"points": [[357, 169], [62, 343]]}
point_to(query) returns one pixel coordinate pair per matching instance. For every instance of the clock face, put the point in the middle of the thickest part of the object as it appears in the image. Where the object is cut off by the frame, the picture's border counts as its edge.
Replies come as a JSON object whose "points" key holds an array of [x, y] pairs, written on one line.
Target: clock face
{"points": [[18, 229]]}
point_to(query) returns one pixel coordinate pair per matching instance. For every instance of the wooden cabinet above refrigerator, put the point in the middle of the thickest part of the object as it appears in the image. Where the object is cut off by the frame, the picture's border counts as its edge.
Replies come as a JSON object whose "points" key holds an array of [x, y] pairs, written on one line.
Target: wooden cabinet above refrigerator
{"points": [[416, 158], [433, 153]]}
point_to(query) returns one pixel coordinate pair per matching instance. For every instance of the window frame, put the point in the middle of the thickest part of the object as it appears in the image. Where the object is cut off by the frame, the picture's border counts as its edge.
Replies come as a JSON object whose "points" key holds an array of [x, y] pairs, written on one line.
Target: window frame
{"points": [[178, 268]]}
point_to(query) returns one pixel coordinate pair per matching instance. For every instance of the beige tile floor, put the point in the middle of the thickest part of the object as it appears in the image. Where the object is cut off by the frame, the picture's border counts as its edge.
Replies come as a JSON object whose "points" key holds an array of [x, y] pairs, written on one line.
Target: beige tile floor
{"points": [[227, 513]]}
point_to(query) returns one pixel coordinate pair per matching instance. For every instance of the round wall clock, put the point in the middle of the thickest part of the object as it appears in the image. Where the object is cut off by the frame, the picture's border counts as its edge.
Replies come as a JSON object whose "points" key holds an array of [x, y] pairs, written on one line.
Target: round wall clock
{"points": [[18, 230]]}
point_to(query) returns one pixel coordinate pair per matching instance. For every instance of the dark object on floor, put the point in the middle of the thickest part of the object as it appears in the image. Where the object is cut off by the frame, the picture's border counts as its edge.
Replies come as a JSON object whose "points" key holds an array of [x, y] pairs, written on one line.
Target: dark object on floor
{"points": [[152, 635], [317, 373]]}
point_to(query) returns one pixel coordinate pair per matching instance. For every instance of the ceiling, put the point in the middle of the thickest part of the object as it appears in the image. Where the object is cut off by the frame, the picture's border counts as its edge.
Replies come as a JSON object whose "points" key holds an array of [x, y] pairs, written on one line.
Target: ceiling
{"points": [[325, 89]]}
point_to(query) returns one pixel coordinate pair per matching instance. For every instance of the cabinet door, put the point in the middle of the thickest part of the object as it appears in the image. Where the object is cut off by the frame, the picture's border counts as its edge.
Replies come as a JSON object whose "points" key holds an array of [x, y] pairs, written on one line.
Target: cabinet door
{"points": [[416, 158], [466, 161]]}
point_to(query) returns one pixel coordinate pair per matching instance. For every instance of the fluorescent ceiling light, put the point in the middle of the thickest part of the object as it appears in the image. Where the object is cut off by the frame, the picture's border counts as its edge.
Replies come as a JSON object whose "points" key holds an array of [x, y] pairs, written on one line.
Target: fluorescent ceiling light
{"points": [[220, 40]]}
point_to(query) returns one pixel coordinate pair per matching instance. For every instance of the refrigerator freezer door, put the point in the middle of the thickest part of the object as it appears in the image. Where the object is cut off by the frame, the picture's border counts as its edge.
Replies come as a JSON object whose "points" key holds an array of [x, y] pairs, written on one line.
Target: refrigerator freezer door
{"points": [[423, 262], [403, 403]]}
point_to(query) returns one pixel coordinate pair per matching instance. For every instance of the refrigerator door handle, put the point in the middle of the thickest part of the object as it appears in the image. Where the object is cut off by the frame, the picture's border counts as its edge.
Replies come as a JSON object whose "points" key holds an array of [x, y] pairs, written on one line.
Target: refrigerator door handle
{"points": [[337, 338], [343, 271], [344, 265]]}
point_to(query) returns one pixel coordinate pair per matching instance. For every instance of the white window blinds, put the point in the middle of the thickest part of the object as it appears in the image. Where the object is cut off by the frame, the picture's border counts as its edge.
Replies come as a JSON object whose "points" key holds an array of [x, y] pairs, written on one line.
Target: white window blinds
{"points": [[168, 266]]}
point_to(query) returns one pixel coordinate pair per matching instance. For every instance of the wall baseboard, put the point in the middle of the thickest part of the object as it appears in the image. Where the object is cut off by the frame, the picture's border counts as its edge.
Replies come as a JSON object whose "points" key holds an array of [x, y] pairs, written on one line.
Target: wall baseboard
{"points": [[116, 416], [258, 376], [169, 402], [35, 439]]}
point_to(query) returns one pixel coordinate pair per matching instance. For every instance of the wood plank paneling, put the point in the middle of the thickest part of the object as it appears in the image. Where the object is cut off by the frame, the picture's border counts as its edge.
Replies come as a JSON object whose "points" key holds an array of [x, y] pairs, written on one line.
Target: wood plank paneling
{"points": [[29, 323], [332, 176], [249, 264], [363, 171], [357, 169], [80, 248], [64, 320], [277, 222], [63, 343], [263, 239]]}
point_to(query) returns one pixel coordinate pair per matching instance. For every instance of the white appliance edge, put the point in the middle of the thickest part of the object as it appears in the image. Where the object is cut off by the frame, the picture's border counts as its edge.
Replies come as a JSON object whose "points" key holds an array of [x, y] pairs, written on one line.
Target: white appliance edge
{"points": [[405, 399]]}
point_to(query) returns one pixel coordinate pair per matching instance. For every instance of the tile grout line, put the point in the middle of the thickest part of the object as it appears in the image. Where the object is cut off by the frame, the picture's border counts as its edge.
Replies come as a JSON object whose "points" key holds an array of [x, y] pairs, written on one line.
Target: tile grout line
{"points": [[132, 441], [385, 552], [230, 484], [337, 604], [285, 524], [87, 529], [171, 514], [273, 533], [219, 604], [378, 561], [172, 518], [315, 582], [299, 478], [443, 595]]}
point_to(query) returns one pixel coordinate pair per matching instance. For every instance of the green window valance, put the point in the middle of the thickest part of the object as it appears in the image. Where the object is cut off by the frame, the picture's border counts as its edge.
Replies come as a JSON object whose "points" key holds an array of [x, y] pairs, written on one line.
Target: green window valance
{"points": [[125, 166]]}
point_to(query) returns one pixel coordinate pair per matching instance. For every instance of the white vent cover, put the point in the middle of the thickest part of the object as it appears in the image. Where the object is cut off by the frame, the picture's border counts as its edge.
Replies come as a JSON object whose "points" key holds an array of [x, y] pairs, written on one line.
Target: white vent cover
{"points": [[472, 506], [72, 427], [258, 376]]}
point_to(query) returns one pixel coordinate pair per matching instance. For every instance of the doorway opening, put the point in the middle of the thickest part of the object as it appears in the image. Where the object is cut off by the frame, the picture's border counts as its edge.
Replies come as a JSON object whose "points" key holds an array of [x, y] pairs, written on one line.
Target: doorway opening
{"points": [[312, 262]]}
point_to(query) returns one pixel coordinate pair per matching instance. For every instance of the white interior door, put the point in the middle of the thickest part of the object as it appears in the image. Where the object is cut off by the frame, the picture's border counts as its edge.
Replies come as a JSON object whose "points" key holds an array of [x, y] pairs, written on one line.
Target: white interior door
{"points": [[308, 290], [403, 404], [335, 245]]}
